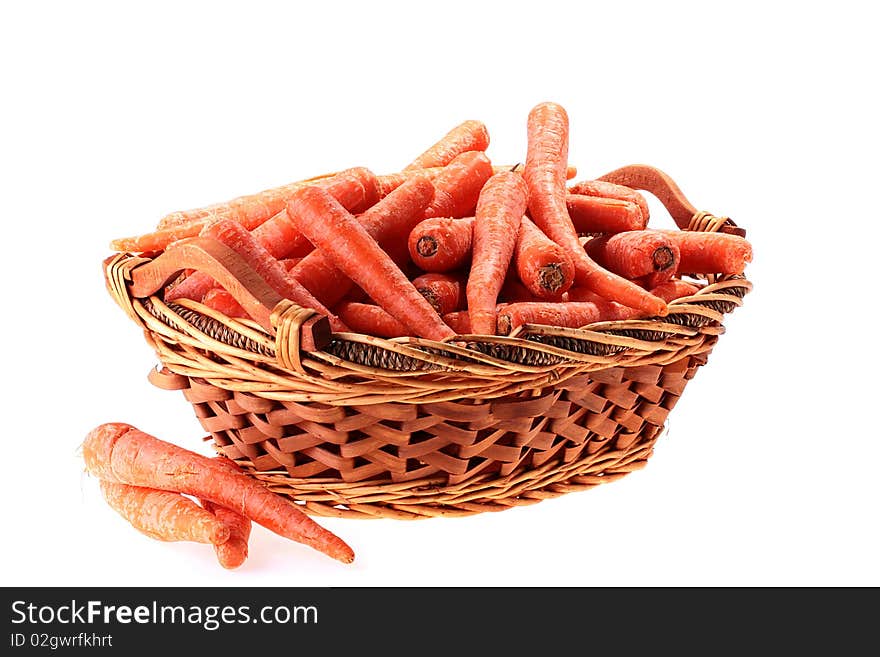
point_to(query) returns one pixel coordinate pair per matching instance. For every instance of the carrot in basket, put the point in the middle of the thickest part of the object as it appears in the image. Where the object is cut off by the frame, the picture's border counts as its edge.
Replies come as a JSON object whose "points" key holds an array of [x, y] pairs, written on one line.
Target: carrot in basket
{"points": [[595, 214], [636, 254], [333, 230], [466, 136], [710, 253], [674, 289], [546, 156], [543, 267], [500, 209], [354, 188], [441, 244], [459, 321], [610, 190], [236, 237], [164, 515], [121, 453], [457, 187], [223, 302], [389, 220], [370, 319], [570, 314], [445, 292]]}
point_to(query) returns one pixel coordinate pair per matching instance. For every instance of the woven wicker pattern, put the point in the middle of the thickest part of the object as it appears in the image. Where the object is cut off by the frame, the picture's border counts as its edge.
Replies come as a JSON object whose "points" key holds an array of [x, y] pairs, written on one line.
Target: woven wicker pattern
{"points": [[410, 428]]}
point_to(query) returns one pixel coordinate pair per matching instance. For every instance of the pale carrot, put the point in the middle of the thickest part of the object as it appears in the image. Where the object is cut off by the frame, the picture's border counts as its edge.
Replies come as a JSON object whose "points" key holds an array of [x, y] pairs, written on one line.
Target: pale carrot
{"points": [[457, 187], [466, 136], [568, 314], [223, 302], [547, 153], [333, 230], [445, 292], [355, 188], [674, 289], [441, 244], [610, 190], [233, 552], [236, 237], [388, 221], [370, 319], [120, 453], [164, 515], [595, 214], [543, 267], [502, 203]]}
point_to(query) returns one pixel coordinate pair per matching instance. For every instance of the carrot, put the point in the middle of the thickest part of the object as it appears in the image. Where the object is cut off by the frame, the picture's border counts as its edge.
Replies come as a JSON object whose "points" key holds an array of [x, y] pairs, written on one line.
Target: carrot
{"points": [[466, 136], [595, 214], [233, 552], [390, 181], [445, 292], [441, 244], [390, 220], [333, 230], [542, 265], [236, 237], [500, 209], [608, 309], [355, 188], [457, 187], [546, 156], [609, 190], [710, 253], [164, 515], [223, 302], [514, 290], [121, 453], [570, 314], [370, 319], [674, 289], [459, 321], [636, 253]]}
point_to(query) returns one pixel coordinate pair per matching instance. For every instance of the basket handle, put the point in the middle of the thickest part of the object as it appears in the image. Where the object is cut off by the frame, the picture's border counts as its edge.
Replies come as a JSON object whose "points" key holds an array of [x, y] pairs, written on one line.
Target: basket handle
{"points": [[686, 216], [277, 315]]}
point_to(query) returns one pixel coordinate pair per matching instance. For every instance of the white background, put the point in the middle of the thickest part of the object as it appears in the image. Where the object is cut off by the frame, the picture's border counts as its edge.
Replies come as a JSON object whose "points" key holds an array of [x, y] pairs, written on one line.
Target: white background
{"points": [[114, 114]]}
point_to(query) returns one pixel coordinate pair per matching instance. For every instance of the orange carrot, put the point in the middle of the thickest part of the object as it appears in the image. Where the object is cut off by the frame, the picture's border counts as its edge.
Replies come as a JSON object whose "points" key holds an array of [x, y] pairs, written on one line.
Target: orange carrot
{"points": [[236, 237], [595, 214], [233, 552], [445, 292], [223, 302], [542, 265], [609, 190], [466, 136], [569, 314], [459, 321], [389, 220], [607, 309], [514, 290], [636, 253], [164, 515], [457, 187], [674, 289], [121, 453], [390, 181], [370, 319], [710, 253], [546, 156], [333, 230], [441, 244], [499, 213]]}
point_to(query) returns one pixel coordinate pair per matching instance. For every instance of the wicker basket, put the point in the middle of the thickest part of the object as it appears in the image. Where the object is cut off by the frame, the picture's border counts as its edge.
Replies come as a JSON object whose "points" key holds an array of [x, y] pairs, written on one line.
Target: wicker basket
{"points": [[350, 425]]}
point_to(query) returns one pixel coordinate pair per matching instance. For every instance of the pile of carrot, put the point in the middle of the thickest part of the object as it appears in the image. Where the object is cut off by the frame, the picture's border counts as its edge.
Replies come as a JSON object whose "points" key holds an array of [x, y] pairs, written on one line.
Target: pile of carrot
{"points": [[173, 494], [454, 244]]}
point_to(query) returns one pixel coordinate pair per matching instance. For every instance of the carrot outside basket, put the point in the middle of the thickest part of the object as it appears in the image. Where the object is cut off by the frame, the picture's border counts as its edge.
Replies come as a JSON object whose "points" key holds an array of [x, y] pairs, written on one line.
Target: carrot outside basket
{"points": [[349, 425]]}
